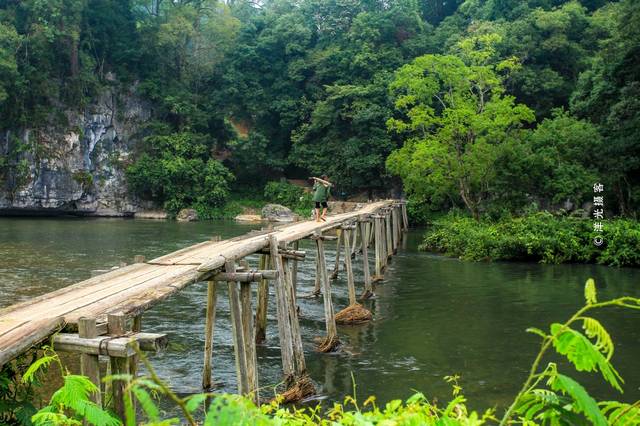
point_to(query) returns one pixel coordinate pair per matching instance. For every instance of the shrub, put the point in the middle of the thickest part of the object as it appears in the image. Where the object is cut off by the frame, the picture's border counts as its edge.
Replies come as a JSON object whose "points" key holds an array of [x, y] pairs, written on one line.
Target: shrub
{"points": [[177, 171], [540, 237], [289, 195]]}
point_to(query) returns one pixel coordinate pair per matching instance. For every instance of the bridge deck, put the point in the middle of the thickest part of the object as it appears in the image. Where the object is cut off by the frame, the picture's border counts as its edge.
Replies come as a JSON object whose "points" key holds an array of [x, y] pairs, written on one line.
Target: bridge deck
{"points": [[135, 288]]}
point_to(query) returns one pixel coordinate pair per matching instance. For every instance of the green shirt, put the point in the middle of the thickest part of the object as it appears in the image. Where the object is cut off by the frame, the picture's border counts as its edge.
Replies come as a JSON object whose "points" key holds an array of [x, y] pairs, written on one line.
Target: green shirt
{"points": [[320, 192]]}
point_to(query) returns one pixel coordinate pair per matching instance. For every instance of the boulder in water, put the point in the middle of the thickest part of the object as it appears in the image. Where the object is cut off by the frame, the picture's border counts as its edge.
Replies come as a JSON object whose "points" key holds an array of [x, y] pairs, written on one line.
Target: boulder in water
{"points": [[277, 213], [187, 215]]}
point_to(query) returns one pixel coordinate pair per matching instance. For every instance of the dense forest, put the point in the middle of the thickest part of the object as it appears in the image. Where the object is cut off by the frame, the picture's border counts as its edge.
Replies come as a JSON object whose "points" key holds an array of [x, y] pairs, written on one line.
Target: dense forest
{"points": [[485, 106]]}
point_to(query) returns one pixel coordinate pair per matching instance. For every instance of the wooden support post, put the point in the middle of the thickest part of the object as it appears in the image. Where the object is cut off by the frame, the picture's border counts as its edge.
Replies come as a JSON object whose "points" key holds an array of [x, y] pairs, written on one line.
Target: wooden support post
{"points": [[347, 263], [294, 270], [299, 364], [331, 341], [89, 364], [377, 221], [138, 258], [396, 236], [284, 328], [249, 341], [237, 331], [208, 333], [136, 327], [317, 284], [336, 265], [353, 245], [368, 288], [405, 218], [383, 240], [263, 301], [117, 327], [293, 364], [389, 236]]}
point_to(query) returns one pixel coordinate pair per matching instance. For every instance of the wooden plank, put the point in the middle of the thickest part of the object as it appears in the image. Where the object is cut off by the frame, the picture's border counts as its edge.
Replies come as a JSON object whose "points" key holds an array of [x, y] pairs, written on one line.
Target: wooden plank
{"points": [[120, 347], [91, 282], [28, 335]]}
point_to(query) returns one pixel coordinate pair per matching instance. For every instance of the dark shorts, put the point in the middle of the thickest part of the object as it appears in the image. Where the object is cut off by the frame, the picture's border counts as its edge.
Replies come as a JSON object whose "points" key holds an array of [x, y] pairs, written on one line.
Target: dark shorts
{"points": [[323, 204]]}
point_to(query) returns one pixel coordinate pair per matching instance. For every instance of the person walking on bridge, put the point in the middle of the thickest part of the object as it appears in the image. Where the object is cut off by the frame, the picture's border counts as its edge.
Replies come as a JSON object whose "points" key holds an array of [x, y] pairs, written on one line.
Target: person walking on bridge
{"points": [[321, 193]]}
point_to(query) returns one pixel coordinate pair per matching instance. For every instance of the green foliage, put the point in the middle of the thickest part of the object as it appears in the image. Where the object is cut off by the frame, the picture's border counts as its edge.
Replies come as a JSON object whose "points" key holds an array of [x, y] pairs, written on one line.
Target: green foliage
{"points": [[547, 396], [565, 400], [456, 118], [176, 170], [84, 178], [555, 163], [292, 196], [607, 94], [539, 237], [17, 398]]}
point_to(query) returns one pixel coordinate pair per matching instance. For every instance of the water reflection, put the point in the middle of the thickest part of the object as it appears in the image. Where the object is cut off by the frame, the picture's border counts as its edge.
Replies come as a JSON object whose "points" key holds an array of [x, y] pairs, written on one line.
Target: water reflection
{"points": [[434, 316]]}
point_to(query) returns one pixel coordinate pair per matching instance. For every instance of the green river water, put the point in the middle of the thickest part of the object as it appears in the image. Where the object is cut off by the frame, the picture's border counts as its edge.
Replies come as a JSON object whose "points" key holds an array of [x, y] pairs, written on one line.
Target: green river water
{"points": [[434, 316]]}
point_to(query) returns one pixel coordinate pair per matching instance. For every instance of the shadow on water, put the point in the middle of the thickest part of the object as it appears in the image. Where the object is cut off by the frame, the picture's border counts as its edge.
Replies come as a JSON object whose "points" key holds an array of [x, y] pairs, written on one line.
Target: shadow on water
{"points": [[434, 316]]}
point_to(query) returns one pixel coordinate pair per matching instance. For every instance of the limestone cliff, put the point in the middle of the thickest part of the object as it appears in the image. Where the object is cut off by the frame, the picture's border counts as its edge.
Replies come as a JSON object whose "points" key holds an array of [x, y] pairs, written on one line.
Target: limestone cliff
{"points": [[75, 163]]}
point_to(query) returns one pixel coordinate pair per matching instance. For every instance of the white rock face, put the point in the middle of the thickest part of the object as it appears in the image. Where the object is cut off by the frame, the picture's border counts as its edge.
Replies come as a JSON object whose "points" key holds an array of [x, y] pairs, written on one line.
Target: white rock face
{"points": [[77, 166]]}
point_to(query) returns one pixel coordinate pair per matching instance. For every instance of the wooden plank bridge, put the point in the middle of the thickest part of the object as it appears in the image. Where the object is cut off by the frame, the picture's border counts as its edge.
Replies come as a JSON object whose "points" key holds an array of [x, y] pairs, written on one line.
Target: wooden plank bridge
{"points": [[101, 316]]}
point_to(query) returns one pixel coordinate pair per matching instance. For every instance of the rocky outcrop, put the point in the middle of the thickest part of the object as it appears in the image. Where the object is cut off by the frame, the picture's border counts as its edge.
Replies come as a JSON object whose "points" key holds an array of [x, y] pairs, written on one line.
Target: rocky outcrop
{"points": [[187, 215], [277, 213], [76, 162], [248, 218]]}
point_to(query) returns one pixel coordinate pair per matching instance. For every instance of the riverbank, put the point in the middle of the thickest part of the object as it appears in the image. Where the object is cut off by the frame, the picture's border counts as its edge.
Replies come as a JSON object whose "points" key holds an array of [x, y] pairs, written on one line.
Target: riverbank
{"points": [[540, 237]]}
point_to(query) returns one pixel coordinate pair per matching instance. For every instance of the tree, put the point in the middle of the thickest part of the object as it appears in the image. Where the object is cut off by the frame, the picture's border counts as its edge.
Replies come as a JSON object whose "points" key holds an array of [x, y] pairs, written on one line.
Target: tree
{"points": [[608, 94], [456, 117]]}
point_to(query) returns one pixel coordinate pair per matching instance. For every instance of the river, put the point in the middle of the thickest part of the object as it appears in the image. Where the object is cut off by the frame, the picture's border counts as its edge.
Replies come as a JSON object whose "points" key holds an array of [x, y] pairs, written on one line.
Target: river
{"points": [[434, 316]]}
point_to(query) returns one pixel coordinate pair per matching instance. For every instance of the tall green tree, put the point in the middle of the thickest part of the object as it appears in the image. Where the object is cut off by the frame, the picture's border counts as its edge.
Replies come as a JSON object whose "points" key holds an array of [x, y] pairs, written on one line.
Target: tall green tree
{"points": [[456, 118]]}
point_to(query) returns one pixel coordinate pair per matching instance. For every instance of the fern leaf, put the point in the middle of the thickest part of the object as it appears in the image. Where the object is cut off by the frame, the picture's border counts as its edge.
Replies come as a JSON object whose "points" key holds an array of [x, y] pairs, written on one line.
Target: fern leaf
{"points": [[583, 402], [41, 363], [146, 402], [594, 330], [590, 292], [195, 401], [583, 354], [620, 413], [536, 331]]}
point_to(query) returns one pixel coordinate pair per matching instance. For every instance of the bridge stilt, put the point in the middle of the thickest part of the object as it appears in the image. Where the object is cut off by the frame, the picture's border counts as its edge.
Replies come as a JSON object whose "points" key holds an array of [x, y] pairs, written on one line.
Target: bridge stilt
{"points": [[237, 331], [368, 288], [250, 355], [119, 365], [263, 300], [89, 363], [354, 313], [208, 333], [336, 265], [389, 236], [331, 341], [377, 220], [296, 379]]}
